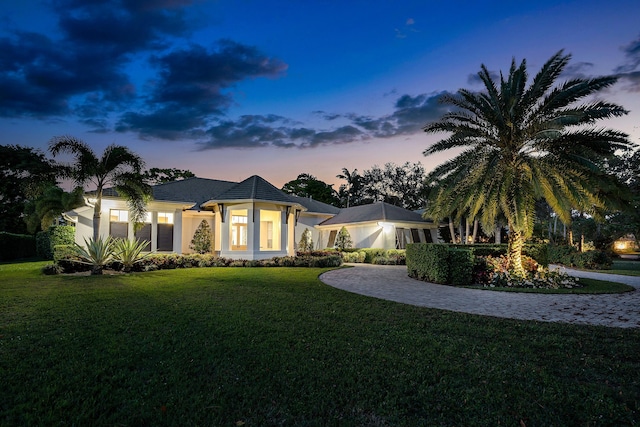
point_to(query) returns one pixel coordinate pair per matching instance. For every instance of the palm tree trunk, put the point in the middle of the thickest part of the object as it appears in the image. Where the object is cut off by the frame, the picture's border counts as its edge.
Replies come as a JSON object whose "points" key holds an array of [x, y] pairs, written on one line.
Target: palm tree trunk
{"points": [[475, 230], [97, 211], [452, 230], [570, 237], [498, 235], [466, 231], [514, 253]]}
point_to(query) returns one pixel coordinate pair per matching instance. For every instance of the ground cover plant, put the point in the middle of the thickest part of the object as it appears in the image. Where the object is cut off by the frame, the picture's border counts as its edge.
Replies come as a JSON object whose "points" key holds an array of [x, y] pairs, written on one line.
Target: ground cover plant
{"points": [[237, 346], [587, 286]]}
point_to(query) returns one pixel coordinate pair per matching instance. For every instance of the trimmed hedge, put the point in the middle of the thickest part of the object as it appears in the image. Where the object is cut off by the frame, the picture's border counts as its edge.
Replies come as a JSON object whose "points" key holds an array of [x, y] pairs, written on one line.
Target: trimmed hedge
{"points": [[428, 261], [461, 263], [537, 251], [15, 246], [46, 241], [570, 257]]}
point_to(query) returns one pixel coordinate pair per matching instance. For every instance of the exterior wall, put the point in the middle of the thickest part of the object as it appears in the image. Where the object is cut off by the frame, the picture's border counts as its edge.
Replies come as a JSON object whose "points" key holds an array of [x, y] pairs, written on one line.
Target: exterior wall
{"points": [[380, 235], [253, 250], [84, 225], [309, 221], [190, 222]]}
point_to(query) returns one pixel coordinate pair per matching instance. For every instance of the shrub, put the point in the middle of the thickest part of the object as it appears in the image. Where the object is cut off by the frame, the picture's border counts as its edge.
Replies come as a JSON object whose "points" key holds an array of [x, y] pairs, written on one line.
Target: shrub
{"points": [[593, 260], [129, 252], [201, 241], [371, 253], [52, 269], [15, 246], [428, 261], [353, 257], [460, 267], [96, 253], [55, 235], [306, 242], [343, 240]]}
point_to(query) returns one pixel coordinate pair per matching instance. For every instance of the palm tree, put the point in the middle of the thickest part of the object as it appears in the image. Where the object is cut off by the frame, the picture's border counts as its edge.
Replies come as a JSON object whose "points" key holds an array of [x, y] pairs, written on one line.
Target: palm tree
{"points": [[53, 201], [352, 178], [118, 167], [524, 143]]}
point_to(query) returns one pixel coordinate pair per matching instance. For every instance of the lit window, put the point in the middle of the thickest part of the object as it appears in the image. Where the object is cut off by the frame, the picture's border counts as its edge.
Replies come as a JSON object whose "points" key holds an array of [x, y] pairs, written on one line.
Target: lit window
{"points": [[117, 215], [165, 218], [239, 230], [270, 230]]}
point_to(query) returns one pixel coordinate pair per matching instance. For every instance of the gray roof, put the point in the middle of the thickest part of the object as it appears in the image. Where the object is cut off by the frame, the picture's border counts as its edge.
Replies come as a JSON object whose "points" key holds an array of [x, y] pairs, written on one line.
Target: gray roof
{"points": [[196, 190], [315, 206], [254, 188], [379, 211]]}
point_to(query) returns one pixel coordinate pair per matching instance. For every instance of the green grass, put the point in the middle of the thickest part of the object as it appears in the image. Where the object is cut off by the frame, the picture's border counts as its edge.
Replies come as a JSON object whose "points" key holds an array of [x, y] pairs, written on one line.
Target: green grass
{"points": [[275, 346], [590, 286], [624, 267]]}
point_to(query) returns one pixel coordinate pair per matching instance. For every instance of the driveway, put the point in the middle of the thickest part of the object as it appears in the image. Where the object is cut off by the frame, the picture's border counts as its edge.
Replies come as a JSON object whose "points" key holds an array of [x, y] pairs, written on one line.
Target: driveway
{"points": [[392, 283]]}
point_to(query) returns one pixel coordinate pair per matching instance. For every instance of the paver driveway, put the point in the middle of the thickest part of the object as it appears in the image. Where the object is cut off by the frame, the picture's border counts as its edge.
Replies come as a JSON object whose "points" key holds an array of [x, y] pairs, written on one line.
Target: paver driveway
{"points": [[392, 283]]}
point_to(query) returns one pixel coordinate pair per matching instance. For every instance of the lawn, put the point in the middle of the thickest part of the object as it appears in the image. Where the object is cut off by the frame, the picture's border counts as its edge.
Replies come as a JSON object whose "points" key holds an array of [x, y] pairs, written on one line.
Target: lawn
{"points": [[274, 346], [624, 267]]}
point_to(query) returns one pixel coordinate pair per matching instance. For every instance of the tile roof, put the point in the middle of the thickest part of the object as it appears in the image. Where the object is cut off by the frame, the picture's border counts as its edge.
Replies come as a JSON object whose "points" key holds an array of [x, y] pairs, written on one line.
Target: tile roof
{"points": [[254, 188], [379, 211], [315, 206]]}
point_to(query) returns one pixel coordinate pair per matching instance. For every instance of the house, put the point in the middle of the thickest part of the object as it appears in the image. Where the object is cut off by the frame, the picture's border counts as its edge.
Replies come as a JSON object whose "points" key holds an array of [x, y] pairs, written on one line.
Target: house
{"points": [[251, 219]]}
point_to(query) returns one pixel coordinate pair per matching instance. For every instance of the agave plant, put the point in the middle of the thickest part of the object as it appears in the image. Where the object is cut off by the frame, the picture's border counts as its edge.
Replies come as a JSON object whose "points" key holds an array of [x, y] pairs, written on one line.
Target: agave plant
{"points": [[96, 252], [129, 252]]}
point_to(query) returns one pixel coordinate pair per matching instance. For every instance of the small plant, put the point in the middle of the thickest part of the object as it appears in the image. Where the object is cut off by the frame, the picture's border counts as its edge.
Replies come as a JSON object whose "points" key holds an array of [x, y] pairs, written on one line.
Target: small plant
{"points": [[306, 242], [201, 242], [96, 253], [343, 240], [129, 252]]}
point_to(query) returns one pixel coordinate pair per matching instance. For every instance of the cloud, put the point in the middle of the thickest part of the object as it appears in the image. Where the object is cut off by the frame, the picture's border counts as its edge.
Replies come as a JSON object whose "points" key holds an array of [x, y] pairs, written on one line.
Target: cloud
{"points": [[410, 114], [577, 69], [401, 33], [43, 77], [628, 70], [189, 90], [474, 79]]}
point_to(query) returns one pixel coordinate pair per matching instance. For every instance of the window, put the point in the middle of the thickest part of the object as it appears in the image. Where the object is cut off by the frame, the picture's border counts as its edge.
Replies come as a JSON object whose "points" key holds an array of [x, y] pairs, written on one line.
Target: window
{"points": [[165, 218], [165, 231], [119, 223], [239, 230], [143, 234], [415, 236], [403, 236], [270, 230], [332, 238], [117, 215]]}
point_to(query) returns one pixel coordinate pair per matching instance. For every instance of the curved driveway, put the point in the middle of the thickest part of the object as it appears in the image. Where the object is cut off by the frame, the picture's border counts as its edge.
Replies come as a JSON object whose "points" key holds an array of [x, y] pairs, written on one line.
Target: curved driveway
{"points": [[392, 283]]}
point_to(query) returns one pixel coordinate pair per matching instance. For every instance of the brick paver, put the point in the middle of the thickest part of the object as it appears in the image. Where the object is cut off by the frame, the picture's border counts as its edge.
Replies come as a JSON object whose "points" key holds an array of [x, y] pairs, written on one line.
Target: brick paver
{"points": [[392, 283]]}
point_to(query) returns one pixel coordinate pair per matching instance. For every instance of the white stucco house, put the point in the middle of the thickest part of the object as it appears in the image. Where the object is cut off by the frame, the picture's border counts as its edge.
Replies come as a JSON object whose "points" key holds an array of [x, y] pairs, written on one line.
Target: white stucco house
{"points": [[251, 219]]}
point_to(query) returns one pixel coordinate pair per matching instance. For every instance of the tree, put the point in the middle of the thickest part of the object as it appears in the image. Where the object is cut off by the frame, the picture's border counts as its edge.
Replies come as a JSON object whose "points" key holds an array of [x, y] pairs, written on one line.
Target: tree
{"points": [[24, 174], [354, 182], [50, 204], [399, 185], [343, 240], [201, 241], [306, 241], [309, 186], [159, 176], [523, 144], [118, 167]]}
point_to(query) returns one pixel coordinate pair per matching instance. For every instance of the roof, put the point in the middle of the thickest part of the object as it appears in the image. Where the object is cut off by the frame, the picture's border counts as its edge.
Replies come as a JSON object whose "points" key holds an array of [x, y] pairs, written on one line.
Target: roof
{"points": [[253, 188], [379, 211], [315, 206]]}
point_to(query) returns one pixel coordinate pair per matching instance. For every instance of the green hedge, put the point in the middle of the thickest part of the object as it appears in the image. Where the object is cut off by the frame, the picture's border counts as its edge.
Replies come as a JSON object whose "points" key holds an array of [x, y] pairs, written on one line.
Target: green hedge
{"points": [[570, 257], [55, 235], [537, 251], [15, 246], [460, 266], [428, 261]]}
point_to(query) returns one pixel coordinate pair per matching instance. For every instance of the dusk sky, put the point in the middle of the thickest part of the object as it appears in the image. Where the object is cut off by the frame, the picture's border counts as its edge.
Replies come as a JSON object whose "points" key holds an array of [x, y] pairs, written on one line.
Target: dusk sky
{"points": [[229, 89]]}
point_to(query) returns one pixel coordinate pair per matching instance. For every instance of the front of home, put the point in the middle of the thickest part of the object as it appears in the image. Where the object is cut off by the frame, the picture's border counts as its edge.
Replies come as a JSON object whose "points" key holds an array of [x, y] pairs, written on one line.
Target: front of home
{"points": [[251, 219]]}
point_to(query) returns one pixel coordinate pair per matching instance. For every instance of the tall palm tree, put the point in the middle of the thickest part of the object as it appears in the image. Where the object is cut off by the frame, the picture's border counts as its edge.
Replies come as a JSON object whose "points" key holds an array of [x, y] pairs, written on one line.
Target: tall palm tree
{"points": [[524, 143], [352, 178], [118, 167]]}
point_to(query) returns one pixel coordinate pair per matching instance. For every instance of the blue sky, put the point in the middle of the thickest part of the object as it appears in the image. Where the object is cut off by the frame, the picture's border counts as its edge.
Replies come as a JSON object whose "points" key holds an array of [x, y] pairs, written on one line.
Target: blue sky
{"points": [[229, 89]]}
